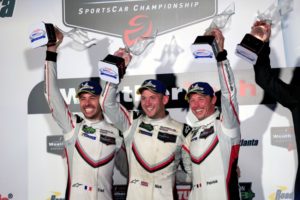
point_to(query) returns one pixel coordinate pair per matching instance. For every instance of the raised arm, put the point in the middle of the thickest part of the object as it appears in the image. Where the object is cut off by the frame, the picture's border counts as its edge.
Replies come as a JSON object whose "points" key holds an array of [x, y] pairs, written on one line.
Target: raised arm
{"points": [[116, 113], [58, 107], [229, 104], [286, 94]]}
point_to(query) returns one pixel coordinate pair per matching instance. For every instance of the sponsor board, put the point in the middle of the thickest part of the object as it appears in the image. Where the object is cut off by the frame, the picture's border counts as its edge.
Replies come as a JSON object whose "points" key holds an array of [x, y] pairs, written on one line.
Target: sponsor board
{"points": [[7, 8], [283, 137], [249, 142], [56, 196], [246, 191], [282, 192], [55, 144], [136, 17], [183, 191], [247, 92]]}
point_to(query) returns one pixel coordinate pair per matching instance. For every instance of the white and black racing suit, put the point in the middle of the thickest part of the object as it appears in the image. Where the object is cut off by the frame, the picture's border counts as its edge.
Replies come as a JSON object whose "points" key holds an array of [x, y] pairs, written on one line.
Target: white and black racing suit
{"points": [[153, 147], [214, 145], [90, 146]]}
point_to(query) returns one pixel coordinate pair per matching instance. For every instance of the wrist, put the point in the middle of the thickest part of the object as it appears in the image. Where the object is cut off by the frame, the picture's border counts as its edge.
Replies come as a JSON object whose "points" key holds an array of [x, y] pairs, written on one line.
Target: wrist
{"points": [[51, 56], [222, 55], [52, 48]]}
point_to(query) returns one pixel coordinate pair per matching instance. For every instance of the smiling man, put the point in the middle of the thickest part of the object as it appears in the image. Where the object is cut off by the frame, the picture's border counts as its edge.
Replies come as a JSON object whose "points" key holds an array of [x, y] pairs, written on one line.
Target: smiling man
{"points": [[152, 138], [214, 144], [91, 143]]}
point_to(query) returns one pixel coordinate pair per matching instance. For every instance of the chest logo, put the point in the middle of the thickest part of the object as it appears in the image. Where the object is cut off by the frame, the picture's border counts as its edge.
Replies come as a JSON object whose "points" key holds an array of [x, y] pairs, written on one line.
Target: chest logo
{"points": [[89, 132], [107, 140], [88, 129], [166, 137], [207, 132]]}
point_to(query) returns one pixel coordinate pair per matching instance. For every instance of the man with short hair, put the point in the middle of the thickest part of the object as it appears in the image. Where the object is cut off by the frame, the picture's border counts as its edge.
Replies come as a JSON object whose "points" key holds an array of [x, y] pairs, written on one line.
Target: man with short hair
{"points": [[90, 142], [215, 140], [152, 138]]}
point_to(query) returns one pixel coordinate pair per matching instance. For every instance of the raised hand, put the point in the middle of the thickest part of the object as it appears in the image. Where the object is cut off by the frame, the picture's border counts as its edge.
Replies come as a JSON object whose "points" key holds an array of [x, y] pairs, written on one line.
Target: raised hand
{"points": [[121, 52], [217, 33], [59, 39]]}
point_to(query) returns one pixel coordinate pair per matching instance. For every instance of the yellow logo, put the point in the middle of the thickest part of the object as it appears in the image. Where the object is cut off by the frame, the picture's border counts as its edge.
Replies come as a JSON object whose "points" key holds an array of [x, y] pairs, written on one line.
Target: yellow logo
{"points": [[281, 194]]}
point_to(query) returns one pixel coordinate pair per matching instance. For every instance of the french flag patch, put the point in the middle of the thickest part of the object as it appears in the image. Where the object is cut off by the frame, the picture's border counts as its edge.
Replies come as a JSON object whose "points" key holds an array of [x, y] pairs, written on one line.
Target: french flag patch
{"points": [[88, 188]]}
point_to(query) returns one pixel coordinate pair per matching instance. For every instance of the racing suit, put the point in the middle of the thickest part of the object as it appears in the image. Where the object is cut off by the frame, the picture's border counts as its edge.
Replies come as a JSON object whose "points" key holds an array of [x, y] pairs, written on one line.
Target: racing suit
{"points": [[214, 145], [90, 146], [153, 147], [286, 94]]}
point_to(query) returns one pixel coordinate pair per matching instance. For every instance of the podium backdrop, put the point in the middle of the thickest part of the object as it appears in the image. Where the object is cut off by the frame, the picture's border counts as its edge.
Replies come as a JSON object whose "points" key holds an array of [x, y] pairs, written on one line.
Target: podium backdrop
{"points": [[31, 160]]}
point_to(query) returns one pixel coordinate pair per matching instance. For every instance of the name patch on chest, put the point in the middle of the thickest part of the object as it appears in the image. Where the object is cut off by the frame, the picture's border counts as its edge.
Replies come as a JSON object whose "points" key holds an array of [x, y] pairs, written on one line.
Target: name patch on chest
{"points": [[207, 132], [107, 140], [166, 137]]}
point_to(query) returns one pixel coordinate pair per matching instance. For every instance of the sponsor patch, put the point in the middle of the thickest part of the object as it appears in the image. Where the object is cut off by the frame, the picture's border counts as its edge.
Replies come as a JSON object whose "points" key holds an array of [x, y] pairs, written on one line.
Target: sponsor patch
{"points": [[145, 132], [104, 131], [89, 135], [88, 129], [107, 140], [148, 127], [134, 181], [165, 137], [207, 132], [166, 129]]}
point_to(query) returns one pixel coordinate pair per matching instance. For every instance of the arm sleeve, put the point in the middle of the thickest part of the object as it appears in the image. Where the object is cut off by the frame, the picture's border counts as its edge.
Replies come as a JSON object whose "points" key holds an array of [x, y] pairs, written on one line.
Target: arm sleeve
{"points": [[59, 109], [121, 161], [282, 92], [229, 104], [187, 165], [186, 157], [116, 113]]}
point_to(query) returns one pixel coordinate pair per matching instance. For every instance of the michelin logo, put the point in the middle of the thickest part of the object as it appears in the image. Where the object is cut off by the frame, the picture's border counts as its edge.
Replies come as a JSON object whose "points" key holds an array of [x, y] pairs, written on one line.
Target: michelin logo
{"points": [[108, 72], [202, 53]]}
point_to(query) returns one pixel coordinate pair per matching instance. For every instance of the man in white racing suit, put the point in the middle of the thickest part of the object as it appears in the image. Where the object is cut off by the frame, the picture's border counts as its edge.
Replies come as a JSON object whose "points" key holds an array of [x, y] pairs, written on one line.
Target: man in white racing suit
{"points": [[91, 143], [215, 140], [153, 140]]}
